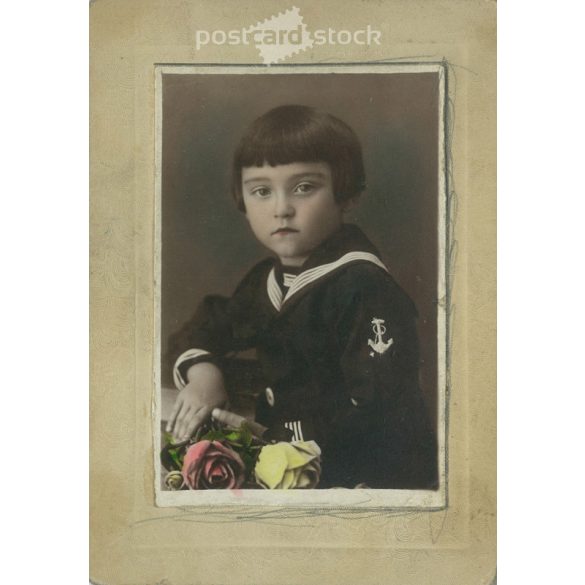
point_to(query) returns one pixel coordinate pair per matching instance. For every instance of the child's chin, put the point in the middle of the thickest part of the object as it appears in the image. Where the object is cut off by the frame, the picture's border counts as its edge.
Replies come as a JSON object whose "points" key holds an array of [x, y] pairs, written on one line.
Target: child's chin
{"points": [[286, 252], [291, 259]]}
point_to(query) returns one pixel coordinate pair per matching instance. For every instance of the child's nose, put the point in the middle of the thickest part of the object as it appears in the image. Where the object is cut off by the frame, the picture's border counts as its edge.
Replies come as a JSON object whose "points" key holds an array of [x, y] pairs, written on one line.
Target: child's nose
{"points": [[283, 207]]}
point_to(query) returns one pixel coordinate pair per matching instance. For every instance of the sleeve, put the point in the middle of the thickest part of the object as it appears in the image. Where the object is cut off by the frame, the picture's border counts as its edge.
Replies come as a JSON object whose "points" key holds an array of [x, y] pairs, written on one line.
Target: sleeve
{"points": [[219, 326], [205, 337], [382, 417]]}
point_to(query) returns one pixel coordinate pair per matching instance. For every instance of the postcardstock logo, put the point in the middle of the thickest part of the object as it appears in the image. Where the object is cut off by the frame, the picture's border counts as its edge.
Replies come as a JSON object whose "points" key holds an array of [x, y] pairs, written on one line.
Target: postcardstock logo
{"points": [[281, 36]]}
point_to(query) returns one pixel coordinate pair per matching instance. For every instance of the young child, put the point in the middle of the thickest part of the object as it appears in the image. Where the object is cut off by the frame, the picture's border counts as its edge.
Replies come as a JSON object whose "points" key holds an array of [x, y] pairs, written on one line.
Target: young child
{"points": [[334, 334]]}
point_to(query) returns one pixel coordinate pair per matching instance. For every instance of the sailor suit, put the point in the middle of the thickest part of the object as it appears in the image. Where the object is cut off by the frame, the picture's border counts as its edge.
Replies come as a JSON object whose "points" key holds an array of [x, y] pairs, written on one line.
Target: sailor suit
{"points": [[338, 348]]}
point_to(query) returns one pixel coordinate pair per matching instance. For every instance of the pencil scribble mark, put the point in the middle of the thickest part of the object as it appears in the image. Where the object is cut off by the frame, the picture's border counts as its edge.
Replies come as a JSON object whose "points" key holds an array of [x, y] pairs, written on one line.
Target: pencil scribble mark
{"points": [[436, 532], [273, 516]]}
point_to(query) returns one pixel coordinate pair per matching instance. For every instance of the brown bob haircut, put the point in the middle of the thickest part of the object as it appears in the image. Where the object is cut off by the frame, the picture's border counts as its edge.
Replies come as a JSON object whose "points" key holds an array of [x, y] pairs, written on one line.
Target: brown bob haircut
{"points": [[292, 133]]}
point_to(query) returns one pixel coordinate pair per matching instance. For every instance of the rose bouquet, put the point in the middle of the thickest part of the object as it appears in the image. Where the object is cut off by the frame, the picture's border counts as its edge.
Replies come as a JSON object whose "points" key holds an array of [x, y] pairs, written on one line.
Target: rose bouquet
{"points": [[222, 456]]}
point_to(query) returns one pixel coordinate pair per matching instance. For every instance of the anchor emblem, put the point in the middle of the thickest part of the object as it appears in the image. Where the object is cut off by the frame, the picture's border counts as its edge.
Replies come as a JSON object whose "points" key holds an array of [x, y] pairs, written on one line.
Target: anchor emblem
{"points": [[378, 344]]}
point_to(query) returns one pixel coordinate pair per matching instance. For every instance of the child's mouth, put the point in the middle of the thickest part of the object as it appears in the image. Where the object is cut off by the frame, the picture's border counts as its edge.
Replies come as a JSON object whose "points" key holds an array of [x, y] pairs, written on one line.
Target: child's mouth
{"points": [[284, 231]]}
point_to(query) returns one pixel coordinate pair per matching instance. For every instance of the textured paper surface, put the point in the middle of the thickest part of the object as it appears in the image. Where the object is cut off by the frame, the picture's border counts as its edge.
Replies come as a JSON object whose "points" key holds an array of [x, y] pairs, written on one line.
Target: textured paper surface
{"points": [[133, 541]]}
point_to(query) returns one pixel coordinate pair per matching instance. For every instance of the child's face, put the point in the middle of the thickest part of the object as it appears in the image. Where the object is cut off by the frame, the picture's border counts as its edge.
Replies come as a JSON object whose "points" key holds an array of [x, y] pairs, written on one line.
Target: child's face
{"points": [[291, 208]]}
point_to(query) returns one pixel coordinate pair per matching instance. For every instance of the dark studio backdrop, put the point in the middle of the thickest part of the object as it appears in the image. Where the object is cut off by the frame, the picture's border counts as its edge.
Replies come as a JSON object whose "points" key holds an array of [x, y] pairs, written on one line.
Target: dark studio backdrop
{"points": [[207, 246]]}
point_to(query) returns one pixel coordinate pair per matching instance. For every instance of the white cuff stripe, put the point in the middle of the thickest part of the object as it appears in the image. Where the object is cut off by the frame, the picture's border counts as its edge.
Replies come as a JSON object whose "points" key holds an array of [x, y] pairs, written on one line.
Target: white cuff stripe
{"points": [[190, 354], [295, 427], [300, 432]]}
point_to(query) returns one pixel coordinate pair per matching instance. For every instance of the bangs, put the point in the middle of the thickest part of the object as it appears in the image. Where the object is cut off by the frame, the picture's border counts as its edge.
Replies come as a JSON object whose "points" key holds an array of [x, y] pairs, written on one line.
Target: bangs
{"points": [[281, 146], [292, 133]]}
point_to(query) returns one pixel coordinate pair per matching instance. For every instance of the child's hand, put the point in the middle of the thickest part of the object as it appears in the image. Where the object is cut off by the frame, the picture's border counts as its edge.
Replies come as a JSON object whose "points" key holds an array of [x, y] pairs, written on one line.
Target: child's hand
{"points": [[204, 392]]}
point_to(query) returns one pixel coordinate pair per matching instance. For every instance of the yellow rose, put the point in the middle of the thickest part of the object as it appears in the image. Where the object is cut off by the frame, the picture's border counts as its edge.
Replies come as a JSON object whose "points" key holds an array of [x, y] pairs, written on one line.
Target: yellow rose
{"points": [[289, 465]]}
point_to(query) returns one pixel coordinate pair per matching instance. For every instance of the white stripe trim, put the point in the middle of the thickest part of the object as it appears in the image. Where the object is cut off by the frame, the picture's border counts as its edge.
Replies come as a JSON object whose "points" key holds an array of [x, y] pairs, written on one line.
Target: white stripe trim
{"points": [[301, 438], [313, 274], [288, 426], [274, 292], [190, 354], [288, 279], [308, 276], [295, 427]]}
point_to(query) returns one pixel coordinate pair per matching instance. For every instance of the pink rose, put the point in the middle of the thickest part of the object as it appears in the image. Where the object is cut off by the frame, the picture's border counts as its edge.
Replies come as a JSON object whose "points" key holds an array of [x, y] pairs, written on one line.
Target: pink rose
{"points": [[212, 465]]}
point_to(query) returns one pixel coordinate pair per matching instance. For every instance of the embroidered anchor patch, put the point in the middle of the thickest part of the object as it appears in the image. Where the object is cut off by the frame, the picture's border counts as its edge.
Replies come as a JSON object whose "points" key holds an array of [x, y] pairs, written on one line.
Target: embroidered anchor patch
{"points": [[378, 344]]}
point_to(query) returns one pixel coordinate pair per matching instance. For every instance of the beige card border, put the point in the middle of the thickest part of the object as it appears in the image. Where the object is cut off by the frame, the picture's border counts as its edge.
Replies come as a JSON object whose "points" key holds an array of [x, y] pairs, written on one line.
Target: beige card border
{"points": [[133, 542], [333, 498]]}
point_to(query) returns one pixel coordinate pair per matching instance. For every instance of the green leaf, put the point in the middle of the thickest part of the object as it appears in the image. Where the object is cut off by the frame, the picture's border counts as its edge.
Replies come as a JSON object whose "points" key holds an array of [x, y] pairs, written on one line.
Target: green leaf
{"points": [[213, 435], [245, 434], [248, 462], [236, 446], [176, 457]]}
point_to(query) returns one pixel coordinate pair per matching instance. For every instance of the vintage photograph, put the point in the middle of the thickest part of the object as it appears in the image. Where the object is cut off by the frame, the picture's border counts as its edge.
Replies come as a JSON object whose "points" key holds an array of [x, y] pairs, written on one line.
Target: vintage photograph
{"points": [[302, 303], [293, 271]]}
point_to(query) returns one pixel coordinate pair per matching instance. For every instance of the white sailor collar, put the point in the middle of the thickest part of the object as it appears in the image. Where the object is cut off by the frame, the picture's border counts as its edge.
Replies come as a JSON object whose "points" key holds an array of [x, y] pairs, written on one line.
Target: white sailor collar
{"points": [[315, 273]]}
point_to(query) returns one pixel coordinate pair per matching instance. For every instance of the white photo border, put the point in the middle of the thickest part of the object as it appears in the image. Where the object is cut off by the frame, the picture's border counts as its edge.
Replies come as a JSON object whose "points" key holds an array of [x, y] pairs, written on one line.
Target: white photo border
{"points": [[328, 499]]}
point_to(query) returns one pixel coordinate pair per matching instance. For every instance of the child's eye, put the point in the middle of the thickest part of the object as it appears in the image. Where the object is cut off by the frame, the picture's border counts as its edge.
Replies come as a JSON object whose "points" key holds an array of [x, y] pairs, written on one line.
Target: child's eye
{"points": [[261, 192], [303, 188]]}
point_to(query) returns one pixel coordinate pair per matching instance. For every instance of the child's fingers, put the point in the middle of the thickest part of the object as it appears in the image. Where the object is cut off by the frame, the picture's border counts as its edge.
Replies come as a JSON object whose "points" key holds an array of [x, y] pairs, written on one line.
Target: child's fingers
{"points": [[227, 418], [174, 414], [182, 421], [195, 421]]}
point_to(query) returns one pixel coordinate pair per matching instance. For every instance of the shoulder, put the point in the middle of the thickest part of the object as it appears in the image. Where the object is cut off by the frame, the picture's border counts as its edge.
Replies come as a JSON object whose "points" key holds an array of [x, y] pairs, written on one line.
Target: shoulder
{"points": [[248, 299], [367, 283], [255, 277]]}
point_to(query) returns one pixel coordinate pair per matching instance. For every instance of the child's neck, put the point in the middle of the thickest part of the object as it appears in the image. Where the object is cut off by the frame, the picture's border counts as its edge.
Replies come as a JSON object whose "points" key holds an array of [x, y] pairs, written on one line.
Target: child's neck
{"points": [[291, 269]]}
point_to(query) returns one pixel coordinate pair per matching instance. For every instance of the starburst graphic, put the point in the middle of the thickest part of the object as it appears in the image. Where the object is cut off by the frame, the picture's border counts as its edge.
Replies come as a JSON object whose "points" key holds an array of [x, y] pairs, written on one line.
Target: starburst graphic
{"points": [[281, 36]]}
